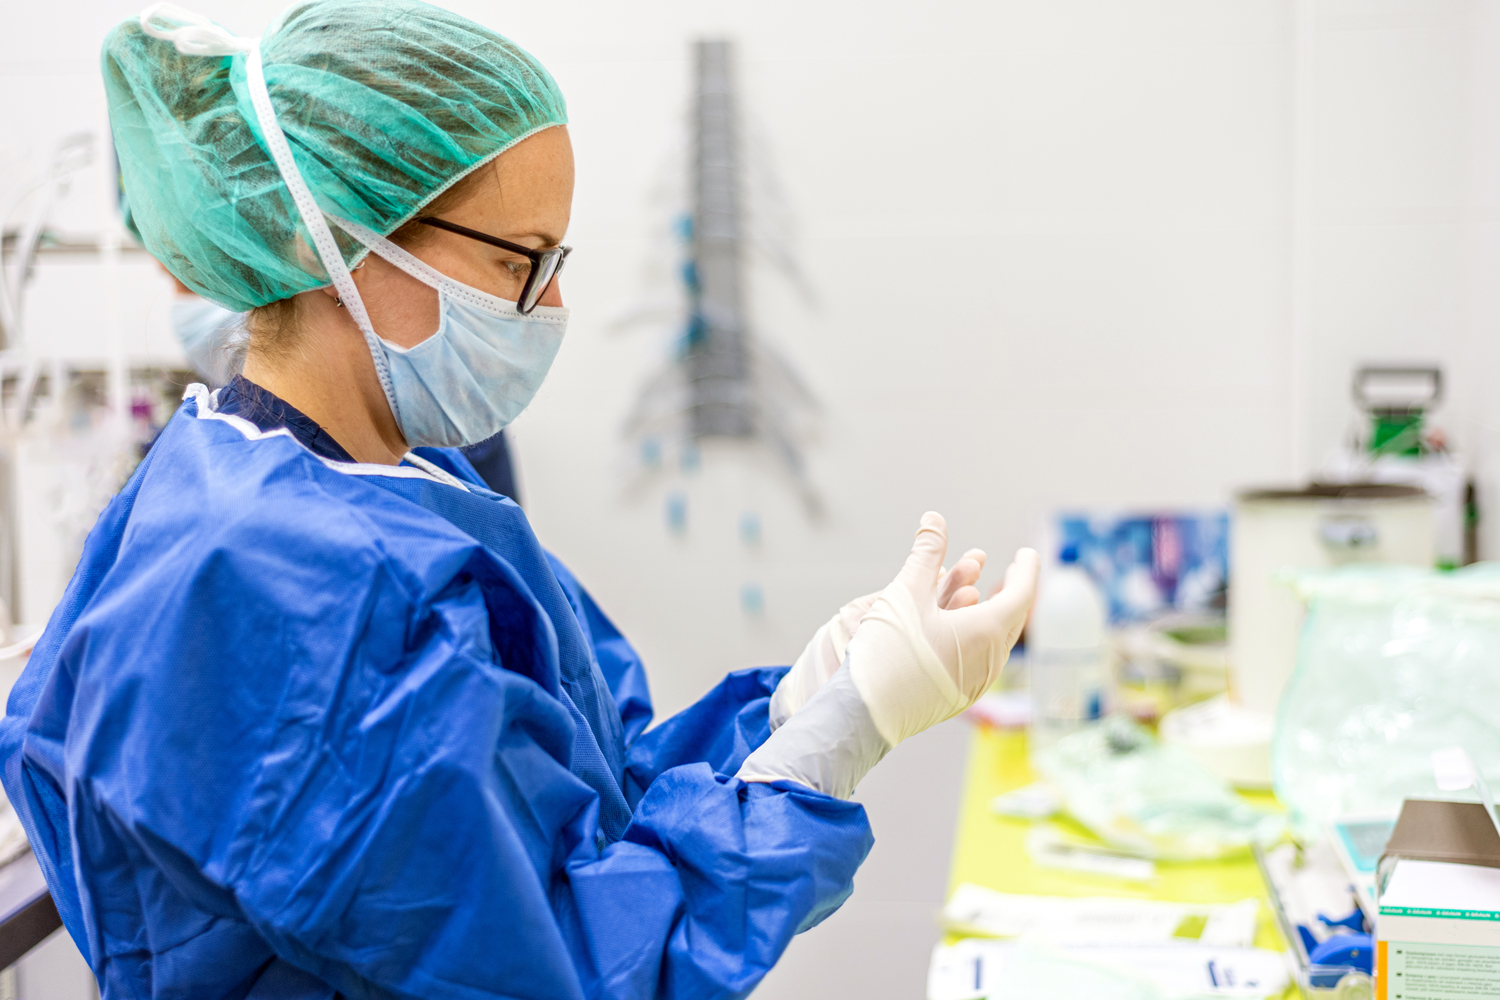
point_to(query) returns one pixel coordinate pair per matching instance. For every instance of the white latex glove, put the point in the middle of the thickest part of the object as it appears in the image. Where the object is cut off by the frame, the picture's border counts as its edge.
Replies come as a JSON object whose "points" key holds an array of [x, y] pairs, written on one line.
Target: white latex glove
{"points": [[916, 663], [910, 665], [824, 654]]}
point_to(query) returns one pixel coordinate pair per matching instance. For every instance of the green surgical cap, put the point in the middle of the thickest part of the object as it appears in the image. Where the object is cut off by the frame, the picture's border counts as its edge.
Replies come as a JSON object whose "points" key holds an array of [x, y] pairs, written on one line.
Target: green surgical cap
{"points": [[385, 103]]}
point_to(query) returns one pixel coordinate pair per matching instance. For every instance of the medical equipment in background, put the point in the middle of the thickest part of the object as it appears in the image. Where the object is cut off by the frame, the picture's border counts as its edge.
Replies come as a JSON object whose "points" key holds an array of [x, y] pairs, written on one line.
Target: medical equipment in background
{"points": [[1164, 577], [1273, 530], [1152, 800], [1395, 663], [22, 241], [1312, 528], [723, 381], [1151, 563], [1067, 653], [1326, 928], [976, 969], [1439, 893], [1455, 772], [1395, 445], [1101, 947], [72, 423]]}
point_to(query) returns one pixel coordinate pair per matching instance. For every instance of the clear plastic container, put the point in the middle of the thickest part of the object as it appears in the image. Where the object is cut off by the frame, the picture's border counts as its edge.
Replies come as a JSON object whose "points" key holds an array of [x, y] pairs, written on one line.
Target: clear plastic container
{"points": [[1393, 663], [1066, 653]]}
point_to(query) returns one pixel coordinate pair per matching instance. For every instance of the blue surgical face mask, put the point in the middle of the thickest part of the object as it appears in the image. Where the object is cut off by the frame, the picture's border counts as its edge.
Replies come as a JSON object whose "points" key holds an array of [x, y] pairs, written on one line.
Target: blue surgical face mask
{"points": [[212, 337], [481, 368]]}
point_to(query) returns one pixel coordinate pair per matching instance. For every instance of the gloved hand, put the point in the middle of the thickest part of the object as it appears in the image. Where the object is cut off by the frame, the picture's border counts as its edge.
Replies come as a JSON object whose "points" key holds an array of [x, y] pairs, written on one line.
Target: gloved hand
{"points": [[910, 664], [916, 663], [825, 653]]}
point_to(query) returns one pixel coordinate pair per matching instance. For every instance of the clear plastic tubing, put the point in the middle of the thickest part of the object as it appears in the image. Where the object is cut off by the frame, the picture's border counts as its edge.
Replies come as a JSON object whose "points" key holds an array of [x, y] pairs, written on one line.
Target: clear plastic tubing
{"points": [[1066, 652]]}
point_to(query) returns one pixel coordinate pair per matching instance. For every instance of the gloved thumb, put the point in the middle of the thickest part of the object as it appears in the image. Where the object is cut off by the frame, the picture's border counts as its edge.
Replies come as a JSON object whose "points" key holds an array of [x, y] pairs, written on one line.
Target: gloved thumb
{"points": [[925, 564]]}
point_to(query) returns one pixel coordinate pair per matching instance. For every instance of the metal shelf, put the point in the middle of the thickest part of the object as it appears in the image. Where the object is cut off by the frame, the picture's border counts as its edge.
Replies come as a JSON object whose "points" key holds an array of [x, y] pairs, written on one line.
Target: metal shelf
{"points": [[27, 913]]}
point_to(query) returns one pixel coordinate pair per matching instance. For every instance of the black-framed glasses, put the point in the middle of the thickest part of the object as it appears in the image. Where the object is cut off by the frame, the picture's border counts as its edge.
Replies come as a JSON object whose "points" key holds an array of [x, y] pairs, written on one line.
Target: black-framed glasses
{"points": [[545, 264]]}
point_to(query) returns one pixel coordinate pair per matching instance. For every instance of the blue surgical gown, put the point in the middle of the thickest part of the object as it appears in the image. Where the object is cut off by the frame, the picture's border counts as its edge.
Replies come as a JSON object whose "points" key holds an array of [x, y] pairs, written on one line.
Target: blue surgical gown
{"points": [[302, 728]]}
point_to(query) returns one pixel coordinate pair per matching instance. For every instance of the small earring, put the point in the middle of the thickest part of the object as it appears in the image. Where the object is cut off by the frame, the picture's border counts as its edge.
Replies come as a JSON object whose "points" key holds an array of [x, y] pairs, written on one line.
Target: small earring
{"points": [[338, 302]]}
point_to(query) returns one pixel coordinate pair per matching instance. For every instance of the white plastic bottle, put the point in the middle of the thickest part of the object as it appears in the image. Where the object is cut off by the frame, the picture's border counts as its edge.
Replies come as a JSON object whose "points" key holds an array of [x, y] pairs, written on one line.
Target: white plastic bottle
{"points": [[1066, 653]]}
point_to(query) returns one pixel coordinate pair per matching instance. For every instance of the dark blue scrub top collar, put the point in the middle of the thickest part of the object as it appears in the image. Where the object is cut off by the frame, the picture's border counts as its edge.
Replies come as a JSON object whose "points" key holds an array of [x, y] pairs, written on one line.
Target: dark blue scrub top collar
{"points": [[268, 411]]}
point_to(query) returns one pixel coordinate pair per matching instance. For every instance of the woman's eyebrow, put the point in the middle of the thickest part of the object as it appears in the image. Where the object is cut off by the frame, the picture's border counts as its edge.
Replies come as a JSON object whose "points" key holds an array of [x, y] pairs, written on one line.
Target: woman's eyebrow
{"points": [[548, 239]]}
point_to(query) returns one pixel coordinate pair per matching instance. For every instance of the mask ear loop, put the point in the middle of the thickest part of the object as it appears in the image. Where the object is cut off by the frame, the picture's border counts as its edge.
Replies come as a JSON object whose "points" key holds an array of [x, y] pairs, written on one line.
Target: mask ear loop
{"points": [[312, 217], [393, 254]]}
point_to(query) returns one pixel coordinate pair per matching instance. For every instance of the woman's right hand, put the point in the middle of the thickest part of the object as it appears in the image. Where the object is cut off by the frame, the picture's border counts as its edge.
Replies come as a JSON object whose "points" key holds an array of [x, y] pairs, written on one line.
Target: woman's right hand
{"points": [[824, 654], [916, 662]]}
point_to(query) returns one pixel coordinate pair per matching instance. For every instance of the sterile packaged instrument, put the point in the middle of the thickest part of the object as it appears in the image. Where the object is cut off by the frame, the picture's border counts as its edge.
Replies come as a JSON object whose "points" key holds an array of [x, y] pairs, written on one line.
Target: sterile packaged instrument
{"points": [[971, 969], [1102, 921], [1150, 799]]}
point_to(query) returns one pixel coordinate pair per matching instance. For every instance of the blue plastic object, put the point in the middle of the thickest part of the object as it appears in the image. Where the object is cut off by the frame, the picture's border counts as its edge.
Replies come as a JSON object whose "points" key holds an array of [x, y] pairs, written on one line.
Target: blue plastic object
{"points": [[295, 731], [1355, 921], [1332, 959]]}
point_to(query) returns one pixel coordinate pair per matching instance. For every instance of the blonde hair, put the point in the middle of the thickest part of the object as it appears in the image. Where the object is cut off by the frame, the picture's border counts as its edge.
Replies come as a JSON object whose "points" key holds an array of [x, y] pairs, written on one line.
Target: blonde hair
{"points": [[275, 328]]}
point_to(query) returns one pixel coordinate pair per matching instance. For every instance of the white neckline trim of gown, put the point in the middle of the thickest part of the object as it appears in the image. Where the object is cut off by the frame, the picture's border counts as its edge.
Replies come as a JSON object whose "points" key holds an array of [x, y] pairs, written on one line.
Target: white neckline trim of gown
{"points": [[420, 468]]}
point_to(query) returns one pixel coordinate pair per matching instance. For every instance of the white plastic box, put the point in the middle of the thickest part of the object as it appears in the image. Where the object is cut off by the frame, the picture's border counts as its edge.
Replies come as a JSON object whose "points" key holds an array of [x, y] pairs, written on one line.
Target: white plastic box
{"points": [[1438, 932]]}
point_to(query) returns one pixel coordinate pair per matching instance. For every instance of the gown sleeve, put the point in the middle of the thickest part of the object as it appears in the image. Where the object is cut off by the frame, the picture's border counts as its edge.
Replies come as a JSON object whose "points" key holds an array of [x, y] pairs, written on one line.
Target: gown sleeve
{"points": [[618, 661], [384, 797], [721, 729]]}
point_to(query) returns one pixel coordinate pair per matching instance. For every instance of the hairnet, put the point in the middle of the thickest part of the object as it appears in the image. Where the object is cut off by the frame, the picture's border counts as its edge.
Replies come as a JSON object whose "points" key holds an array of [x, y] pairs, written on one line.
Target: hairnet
{"points": [[385, 103]]}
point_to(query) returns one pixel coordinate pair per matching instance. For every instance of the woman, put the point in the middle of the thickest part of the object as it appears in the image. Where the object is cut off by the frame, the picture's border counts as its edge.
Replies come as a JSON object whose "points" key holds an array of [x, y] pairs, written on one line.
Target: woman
{"points": [[317, 715]]}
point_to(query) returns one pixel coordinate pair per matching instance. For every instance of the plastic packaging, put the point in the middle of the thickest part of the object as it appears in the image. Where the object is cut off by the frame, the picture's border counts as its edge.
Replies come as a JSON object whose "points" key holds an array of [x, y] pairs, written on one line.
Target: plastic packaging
{"points": [[1066, 651], [972, 969], [1393, 664], [1152, 800]]}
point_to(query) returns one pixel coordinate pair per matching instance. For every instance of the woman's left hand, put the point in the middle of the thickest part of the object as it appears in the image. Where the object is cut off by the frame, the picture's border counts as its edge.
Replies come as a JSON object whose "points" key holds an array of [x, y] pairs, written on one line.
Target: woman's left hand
{"points": [[824, 654]]}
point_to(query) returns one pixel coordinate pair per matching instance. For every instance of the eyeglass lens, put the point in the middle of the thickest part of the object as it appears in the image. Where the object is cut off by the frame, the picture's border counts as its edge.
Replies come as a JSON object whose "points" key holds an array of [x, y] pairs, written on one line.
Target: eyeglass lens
{"points": [[542, 273]]}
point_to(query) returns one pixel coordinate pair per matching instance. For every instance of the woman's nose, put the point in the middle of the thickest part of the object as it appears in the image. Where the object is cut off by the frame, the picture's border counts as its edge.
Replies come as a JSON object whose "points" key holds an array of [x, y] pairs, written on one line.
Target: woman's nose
{"points": [[553, 295]]}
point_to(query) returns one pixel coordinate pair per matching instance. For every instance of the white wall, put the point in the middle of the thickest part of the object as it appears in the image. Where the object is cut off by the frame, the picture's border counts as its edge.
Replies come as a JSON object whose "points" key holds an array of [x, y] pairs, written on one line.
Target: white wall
{"points": [[1108, 224], [1163, 232], [1479, 226], [1393, 135]]}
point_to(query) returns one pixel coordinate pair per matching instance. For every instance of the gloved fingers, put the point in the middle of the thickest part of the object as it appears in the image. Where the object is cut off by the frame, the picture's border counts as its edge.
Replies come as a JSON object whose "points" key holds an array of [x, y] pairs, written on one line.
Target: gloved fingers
{"points": [[963, 597], [1019, 585], [1004, 614], [850, 614], [1013, 600], [826, 660], [841, 629], [925, 564], [965, 573]]}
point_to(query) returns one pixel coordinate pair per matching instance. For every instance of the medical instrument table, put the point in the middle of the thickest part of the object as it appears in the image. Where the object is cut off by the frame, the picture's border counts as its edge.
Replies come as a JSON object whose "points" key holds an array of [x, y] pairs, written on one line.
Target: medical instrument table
{"points": [[990, 850]]}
